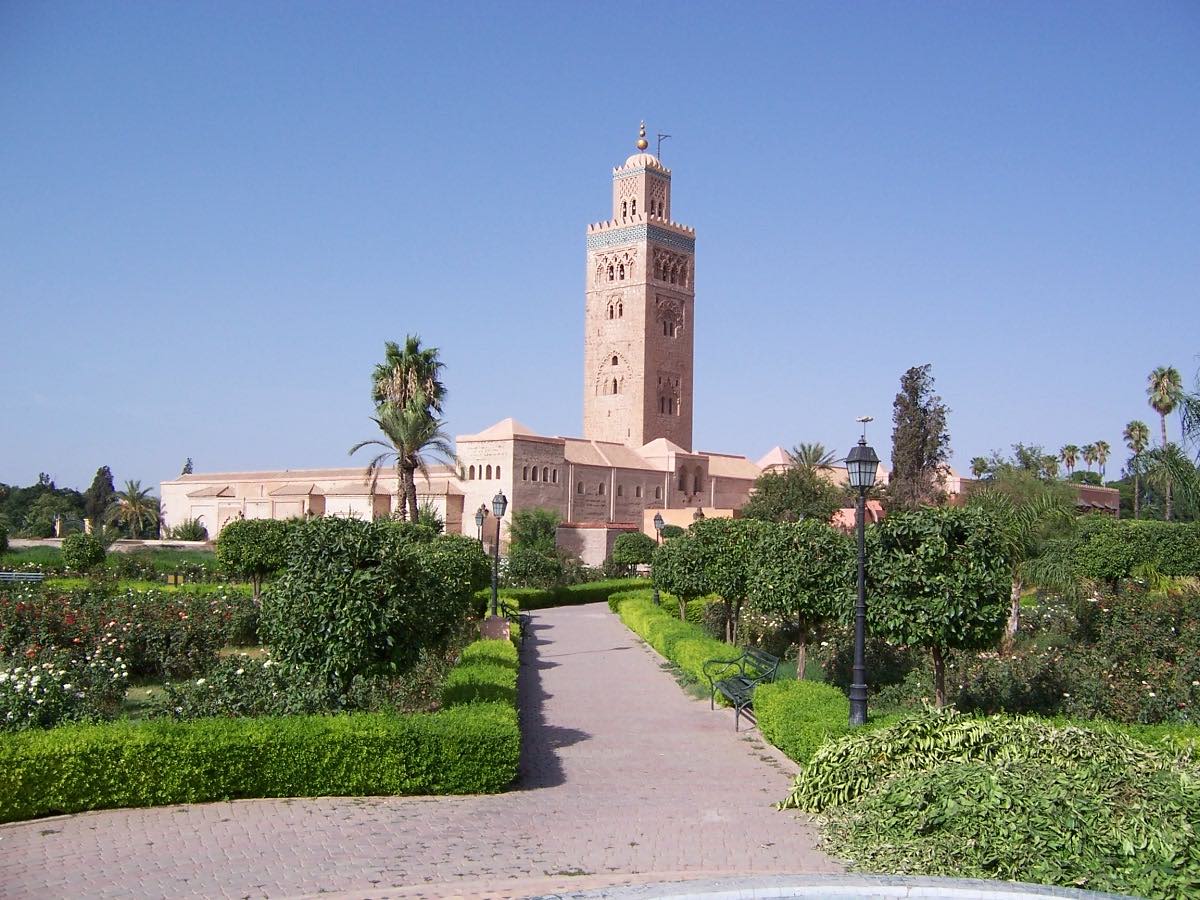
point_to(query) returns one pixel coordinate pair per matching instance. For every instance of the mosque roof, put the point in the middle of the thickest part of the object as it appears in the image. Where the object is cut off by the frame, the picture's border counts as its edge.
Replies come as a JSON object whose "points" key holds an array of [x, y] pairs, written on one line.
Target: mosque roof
{"points": [[723, 465], [601, 453], [504, 430], [776, 456], [662, 447], [644, 160]]}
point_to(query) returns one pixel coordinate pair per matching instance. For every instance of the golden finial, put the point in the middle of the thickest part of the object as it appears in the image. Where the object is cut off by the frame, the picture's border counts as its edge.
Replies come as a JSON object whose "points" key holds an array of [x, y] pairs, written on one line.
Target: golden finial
{"points": [[642, 143]]}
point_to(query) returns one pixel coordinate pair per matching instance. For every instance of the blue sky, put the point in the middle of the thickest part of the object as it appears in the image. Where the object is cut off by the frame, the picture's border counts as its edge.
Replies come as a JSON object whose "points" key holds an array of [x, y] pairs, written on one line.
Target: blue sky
{"points": [[213, 215]]}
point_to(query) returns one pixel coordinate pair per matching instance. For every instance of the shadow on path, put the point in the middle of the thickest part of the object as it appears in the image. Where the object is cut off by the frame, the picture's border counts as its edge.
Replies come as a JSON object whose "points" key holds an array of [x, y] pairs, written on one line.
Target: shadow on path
{"points": [[540, 740]]}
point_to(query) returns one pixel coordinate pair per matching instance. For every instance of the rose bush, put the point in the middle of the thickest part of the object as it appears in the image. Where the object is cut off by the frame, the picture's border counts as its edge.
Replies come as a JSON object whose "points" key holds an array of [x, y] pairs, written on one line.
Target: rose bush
{"points": [[42, 694]]}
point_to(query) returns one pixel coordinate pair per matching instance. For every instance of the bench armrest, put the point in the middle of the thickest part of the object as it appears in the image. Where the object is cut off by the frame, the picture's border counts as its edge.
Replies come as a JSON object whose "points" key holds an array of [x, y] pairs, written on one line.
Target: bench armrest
{"points": [[716, 669]]}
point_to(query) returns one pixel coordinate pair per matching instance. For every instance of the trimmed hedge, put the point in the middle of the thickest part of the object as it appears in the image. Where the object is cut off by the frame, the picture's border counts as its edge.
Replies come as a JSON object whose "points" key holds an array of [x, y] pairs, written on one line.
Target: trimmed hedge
{"points": [[567, 595], [1111, 549], [472, 746], [795, 716]]}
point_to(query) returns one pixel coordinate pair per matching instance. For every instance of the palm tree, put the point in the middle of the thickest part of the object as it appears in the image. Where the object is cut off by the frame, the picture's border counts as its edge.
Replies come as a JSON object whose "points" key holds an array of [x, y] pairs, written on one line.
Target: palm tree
{"points": [[1137, 437], [1103, 448], [1168, 469], [1024, 527], [812, 457], [412, 438], [1068, 454], [979, 466], [1163, 390], [1089, 455], [134, 507], [409, 376]]}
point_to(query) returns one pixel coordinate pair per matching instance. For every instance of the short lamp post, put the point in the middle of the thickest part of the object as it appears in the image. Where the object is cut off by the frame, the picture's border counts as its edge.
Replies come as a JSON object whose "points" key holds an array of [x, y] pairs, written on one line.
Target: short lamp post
{"points": [[499, 507], [480, 515], [658, 527], [861, 467]]}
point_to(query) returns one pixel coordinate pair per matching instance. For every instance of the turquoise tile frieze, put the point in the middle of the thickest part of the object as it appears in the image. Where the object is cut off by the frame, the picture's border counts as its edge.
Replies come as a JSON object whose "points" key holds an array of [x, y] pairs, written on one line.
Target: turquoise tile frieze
{"points": [[632, 234]]}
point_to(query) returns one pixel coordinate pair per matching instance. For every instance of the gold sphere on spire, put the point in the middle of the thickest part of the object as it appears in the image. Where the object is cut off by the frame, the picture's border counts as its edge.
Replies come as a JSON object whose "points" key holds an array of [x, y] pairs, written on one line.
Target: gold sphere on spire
{"points": [[642, 143]]}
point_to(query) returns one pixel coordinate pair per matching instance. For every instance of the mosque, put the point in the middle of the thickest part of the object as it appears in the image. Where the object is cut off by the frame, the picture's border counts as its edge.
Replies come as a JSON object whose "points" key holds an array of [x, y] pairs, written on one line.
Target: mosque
{"points": [[635, 458]]}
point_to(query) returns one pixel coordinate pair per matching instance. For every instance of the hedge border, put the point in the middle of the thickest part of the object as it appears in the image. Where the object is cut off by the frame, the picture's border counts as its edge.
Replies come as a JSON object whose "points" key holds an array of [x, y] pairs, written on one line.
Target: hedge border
{"points": [[566, 595], [796, 716], [470, 746]]}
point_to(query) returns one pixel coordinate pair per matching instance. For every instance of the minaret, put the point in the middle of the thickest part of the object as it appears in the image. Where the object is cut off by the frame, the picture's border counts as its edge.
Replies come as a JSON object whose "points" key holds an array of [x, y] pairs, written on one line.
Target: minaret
{"points": [[638, 319]]}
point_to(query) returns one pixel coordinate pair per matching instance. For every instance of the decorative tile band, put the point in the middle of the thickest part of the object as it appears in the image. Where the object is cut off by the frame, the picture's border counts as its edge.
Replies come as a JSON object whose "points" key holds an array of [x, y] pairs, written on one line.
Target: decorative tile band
{"points": [[629, 173], [632, 234]]}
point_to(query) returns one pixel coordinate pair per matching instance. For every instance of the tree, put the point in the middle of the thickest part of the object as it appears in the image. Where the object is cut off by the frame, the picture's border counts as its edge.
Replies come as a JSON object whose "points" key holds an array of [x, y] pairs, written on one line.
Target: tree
{"points": [[678, 568], [534, 529], [253, 548], [803, 571], [187, 467], [1069, 454], [1089, 455], [413, 438], [725, 546], [1137, 438], [1163, 390], [920, 441], [1103, 448], [791, 495], [633, 549], [941, 580], [82, 552], [813, 457], [980, 466], [1168, 471], [409, 377], [99, 497], [1026, 517], [135, 508], [429, 516]]}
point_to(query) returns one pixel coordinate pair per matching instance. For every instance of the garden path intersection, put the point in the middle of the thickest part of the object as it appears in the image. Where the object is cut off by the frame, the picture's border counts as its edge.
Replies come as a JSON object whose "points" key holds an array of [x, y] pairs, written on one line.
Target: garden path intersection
{"points": [[622, 774]]}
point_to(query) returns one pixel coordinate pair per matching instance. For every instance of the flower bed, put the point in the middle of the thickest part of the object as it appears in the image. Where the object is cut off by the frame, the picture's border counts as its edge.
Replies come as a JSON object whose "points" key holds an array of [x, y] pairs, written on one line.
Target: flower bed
{"points": [[470, 746]]}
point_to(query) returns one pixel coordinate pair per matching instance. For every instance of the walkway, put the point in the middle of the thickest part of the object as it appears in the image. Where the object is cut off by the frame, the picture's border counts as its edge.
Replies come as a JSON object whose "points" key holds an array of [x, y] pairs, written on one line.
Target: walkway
{"points": [[621, 772]]}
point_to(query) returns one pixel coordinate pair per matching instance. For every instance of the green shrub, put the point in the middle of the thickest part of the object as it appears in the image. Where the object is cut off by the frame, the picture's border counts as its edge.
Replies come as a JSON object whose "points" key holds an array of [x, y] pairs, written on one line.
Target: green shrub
{"points": [[362, 598], [534, 529], [672, 531], [253, 548], [44, 692], [633, 549], [1007, 798], [82, 552], [1112, 549], [525, 567], [189, 530], [799, 716], [3, 540], [565, 595], [487, 673]]}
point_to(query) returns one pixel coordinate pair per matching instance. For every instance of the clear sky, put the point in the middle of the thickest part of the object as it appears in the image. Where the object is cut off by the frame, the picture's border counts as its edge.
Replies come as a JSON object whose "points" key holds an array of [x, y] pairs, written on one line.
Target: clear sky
{"points": [[212, 215]]}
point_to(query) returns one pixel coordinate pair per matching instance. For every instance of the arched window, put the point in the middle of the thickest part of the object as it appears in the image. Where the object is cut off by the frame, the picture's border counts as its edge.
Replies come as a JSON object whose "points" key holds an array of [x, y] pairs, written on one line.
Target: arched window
{"points": [[614, 385], [489, 473], [670, 406], [554, 476], [637, 491], [471, 474], [620, 310], [545, 473], [620, 490], [624, 209], [696, 482], [610, 312], [611, 272], [535, 473], [579, 488], [601, 491], [658, 493], [633, 207], [497, 471], [682, 481], [614, 360], [621, 272], [524, 473]]}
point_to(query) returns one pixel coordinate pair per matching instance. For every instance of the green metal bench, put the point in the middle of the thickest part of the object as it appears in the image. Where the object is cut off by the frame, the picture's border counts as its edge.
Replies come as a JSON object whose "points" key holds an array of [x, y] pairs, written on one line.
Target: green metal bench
{"points": [[31, 577], [736, 679], [515, 616]]}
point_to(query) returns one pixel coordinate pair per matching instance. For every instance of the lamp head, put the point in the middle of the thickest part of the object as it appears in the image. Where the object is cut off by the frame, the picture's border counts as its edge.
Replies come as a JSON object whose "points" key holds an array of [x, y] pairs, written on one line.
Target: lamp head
{"points": [[861, 466], [499, 505], [658, 522]]}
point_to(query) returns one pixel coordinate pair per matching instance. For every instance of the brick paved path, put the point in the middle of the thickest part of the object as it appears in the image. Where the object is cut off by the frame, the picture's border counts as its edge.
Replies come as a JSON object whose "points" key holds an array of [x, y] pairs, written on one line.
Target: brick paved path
{"points": [[621, 772]]}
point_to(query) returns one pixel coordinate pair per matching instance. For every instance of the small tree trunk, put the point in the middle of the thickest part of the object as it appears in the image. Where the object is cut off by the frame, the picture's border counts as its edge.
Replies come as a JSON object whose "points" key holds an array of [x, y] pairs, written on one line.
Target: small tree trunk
{"points": [[939, 677], [1014, 617], [733, 622], [412, 496], [801, 649], [1163, 421], [728, 609], [682, 610], [256, 584]]}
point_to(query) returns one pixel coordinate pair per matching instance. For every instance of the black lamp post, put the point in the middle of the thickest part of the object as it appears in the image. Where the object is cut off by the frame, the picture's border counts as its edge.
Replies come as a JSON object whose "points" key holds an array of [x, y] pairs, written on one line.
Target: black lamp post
{"points": [[480, 515], [861, 467], [658, 527], [499, 506]]}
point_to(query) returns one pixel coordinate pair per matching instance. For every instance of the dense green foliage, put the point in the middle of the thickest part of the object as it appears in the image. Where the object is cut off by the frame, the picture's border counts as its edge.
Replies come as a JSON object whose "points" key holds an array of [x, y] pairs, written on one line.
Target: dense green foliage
{"points": [[799, 716], [253, 548], [82, 552], [920, 441], [525, 567], [940, 580], [792, 495], [562, 595], [678, 568], [360, 598], [672, 531], [188, 530], [1009, 798], [3, 539], [803, 572], [725, 546], [1113, 549], [633, 549], [471, 746], [534, 529]]}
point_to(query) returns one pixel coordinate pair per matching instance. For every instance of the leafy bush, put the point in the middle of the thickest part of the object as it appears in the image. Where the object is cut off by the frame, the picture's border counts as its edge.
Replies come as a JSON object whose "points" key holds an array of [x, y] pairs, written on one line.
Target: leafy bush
{"points": [[532, 568], [46, 694], [428, 515], [82, 552], [564, 595], [679, 569], [1015, 799], [253, 548], [672, 531], [241, 686], [3, 539], [362, 598], [534, 529], [799, 716], [189, 530], [1113, 549], [487, 673], [633, 549]]}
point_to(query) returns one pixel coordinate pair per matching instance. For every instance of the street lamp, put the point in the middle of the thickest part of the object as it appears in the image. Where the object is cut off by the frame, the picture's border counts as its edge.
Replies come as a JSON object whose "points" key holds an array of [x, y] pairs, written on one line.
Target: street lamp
{"points": [[861, 466], [499, 505], [480, 515], [658, 527]]}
